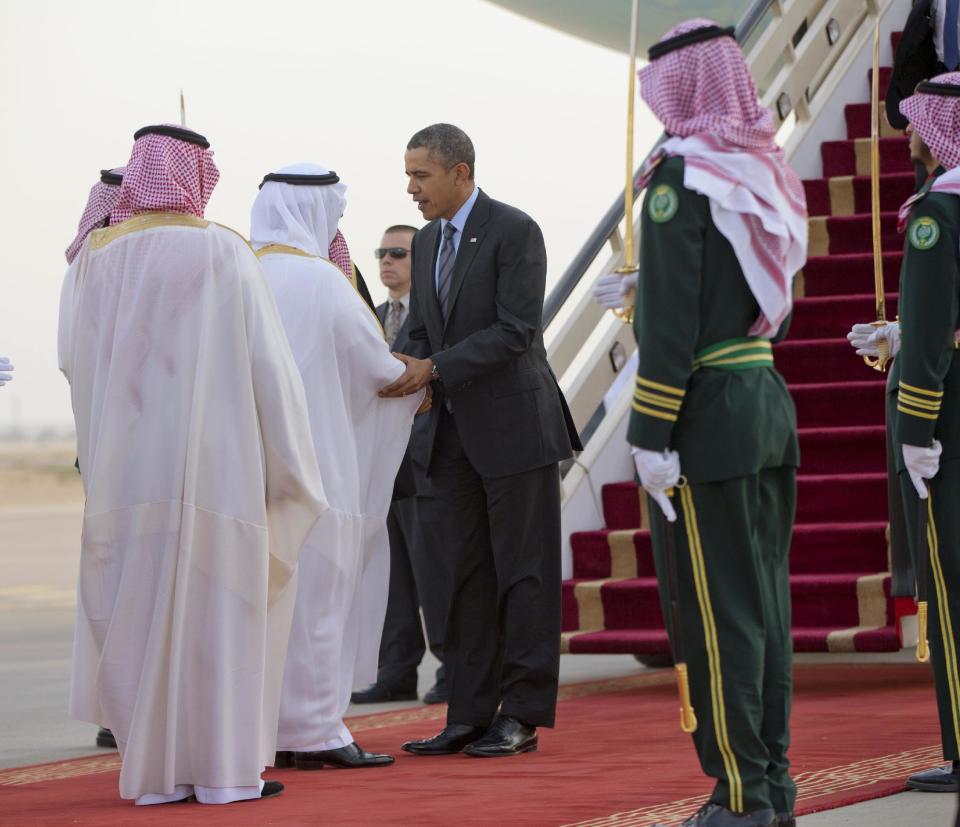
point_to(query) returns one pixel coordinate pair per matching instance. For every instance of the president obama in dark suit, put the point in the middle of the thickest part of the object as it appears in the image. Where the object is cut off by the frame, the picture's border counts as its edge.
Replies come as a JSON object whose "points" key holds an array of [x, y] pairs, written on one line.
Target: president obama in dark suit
{"points": [[498, 428]]}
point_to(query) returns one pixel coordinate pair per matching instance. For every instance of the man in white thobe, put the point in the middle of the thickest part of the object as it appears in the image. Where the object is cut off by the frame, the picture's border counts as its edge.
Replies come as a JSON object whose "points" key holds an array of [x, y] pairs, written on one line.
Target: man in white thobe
{"points": [[101, 202], [359, 439], [200, 484]]}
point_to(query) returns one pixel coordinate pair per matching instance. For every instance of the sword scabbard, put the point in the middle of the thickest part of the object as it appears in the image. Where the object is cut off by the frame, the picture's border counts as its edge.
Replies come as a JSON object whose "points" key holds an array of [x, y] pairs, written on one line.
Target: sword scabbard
{"points": [[688, 718]]}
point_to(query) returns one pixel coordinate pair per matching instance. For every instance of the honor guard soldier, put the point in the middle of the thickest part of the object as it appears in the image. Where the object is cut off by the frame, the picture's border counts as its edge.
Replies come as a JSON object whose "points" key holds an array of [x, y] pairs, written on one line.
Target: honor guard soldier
{"points": [[724, 232], [925, 384]]}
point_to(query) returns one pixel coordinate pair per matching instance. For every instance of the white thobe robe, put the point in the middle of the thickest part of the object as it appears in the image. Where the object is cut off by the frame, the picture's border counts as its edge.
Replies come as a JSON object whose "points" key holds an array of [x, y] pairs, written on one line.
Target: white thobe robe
{"points": [[201, 488], [360, 440]]}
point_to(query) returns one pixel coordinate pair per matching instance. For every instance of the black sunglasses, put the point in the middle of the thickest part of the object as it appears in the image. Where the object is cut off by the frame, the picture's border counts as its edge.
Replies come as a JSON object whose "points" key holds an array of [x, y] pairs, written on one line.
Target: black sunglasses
{"points": [[393, 252]]}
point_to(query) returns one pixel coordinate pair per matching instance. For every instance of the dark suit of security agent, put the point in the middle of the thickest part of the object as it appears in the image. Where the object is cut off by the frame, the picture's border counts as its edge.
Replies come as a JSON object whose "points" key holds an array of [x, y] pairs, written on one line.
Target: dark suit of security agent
{"points": [[498, 428], [419, 576]]}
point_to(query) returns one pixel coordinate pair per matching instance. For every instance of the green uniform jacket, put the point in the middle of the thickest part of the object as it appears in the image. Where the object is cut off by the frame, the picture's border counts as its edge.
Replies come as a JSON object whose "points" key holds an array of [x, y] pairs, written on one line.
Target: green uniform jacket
{"points": [[691, 294], [926, 372]]}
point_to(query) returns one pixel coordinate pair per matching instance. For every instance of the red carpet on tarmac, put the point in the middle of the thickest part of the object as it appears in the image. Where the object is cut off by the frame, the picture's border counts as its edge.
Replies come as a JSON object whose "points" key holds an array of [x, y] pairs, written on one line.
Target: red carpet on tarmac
{"points": [[617, 757]]}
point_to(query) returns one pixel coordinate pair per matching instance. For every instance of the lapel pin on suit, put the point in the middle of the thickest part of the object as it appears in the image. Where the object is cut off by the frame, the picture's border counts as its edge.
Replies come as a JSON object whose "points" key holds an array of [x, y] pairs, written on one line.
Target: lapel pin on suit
{"points": [[473, 240]]}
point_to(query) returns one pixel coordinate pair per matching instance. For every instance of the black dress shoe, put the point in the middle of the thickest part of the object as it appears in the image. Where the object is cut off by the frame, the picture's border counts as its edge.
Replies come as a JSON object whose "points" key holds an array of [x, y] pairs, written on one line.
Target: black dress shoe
{"points": [[713, 815], [938, 780], [437, 694], [271, 789], [284, 759], [350, 757], [506, 736], [105, 739], [452, 740], [378, 693]]}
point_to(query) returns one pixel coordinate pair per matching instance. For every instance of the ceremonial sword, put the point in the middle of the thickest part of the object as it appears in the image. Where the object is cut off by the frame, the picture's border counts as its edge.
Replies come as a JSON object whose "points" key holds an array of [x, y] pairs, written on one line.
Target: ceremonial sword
{"points": [[629, 265], [923, 562], [883, 348], [688, 718]]}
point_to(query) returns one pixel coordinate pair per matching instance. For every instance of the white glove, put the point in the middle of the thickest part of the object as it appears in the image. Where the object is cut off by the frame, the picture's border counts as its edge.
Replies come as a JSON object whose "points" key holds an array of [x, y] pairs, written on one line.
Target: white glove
{"points": [[6, 366], [865, 337], [922, 463], [659, 471], [609, 290]]}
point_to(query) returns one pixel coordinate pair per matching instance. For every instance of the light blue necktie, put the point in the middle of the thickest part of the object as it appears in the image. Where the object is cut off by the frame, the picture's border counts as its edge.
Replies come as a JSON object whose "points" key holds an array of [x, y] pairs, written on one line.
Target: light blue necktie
{"points": [[951, 51]]}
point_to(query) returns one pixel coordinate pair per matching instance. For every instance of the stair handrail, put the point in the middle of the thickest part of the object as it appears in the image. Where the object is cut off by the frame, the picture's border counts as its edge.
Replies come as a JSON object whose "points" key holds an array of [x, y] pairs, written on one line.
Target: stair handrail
{"points": [[596, 241]]}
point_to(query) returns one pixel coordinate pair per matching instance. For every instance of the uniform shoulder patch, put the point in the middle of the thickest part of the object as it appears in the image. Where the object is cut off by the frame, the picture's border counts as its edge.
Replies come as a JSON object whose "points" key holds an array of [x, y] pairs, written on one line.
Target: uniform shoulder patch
{"points": [[924, 232], [662, 203]]}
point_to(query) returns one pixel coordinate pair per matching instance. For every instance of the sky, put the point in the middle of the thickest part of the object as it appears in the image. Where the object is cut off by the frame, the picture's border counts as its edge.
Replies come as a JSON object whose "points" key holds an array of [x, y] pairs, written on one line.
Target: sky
{"points": [[343, 84]]}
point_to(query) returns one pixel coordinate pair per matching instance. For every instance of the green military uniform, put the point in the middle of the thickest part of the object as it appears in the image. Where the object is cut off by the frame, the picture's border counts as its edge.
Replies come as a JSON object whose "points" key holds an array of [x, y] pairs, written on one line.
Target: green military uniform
{"points": [[926, 374], [710, 393]]}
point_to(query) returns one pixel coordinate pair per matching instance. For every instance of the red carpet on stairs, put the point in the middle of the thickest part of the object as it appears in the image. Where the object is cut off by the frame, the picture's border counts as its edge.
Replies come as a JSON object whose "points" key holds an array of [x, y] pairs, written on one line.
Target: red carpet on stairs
{"points": [[839, 557], [616, 757]]}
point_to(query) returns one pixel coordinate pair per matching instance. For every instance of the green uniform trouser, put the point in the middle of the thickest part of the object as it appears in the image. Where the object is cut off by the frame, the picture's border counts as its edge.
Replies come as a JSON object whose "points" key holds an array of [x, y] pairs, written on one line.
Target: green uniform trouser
{"points": [[732, 542], [943, 590]]}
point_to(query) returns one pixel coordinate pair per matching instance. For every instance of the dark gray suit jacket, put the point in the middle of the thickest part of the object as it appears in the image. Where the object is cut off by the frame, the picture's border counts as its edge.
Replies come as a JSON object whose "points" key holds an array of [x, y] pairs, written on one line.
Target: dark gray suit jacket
{"points": [[510, 413]]}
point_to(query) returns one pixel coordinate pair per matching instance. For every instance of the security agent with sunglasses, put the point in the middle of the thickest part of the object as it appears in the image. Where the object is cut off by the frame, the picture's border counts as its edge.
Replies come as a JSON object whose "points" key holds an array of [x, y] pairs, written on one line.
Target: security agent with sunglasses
{"points": [[419, 566], [496, 432]]}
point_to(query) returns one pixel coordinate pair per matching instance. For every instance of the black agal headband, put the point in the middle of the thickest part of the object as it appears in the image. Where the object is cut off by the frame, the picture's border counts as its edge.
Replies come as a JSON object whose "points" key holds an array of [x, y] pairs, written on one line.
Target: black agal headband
{"points": [[177, 132], [301, 180], [108, 176], [687, 39], [945, 89]]}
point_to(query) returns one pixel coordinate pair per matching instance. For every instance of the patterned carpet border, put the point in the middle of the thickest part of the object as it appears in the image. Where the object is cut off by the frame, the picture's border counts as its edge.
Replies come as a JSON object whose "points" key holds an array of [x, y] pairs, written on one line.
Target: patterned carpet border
{"points": [[90, 765], [810, 785]]}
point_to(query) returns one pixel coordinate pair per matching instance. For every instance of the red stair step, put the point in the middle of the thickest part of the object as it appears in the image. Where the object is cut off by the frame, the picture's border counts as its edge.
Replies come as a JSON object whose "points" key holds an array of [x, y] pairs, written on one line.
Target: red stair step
{"points": [[815, 547], [854, 233], [823, 498], [819, 360], [855, 547], [849, 274], [895, 188], [591, 554], [843, 450], [817, 600], [654, 642], [824, 317], [621, 505], [622, 641], [884, 639], [631, 604], [841, 403], [857, 117], [840, 157]]}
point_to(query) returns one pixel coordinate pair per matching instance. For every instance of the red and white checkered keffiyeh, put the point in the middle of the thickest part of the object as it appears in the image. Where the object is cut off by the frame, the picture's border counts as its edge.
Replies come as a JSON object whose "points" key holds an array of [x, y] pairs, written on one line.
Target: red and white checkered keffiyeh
{"points": [[339, 254], [705, 97], [706, 88], [937, 119], [101, 203], [166, 174]]}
